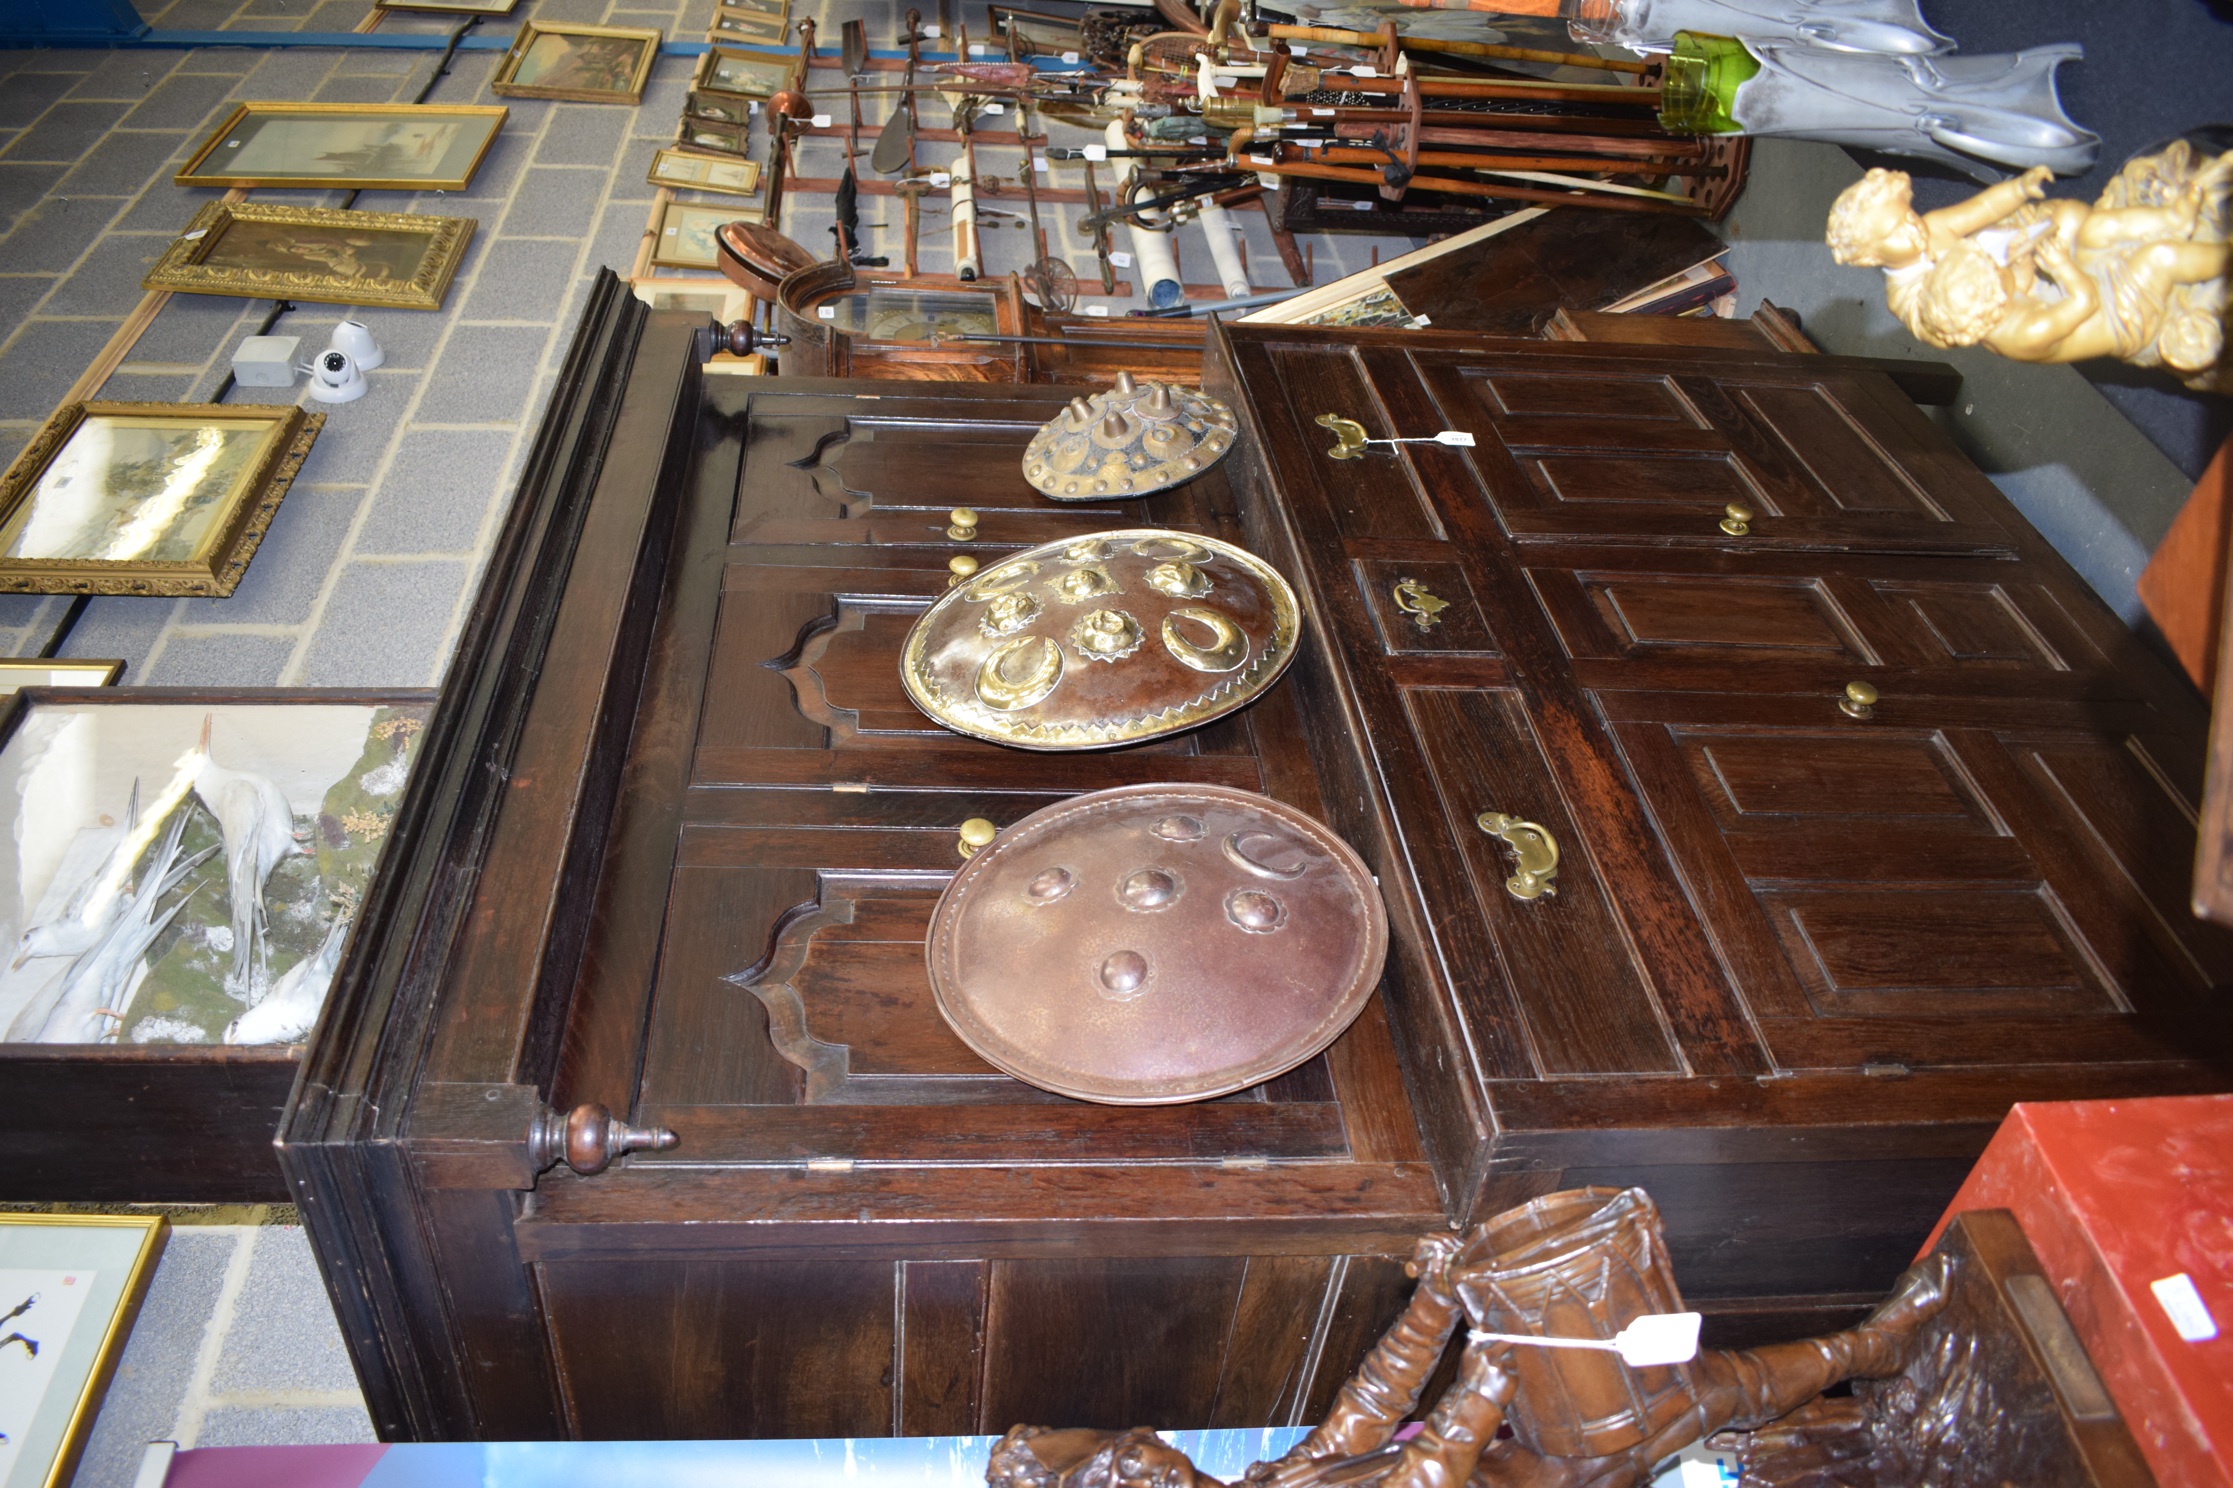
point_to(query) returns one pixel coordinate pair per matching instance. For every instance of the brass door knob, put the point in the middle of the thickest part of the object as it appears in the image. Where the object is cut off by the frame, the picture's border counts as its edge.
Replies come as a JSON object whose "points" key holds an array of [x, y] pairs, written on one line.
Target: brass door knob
{"points": [[1858, 700], [958, 568], [1739, 520], [976, 833], [964, 528]]}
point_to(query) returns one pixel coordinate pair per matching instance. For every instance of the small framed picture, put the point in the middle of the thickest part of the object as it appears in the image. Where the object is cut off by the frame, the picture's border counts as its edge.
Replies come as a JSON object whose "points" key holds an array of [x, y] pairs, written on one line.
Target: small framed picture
{"points": [[685, 170], [703, 134], [450, 7], [718, 108], [746, 74], [685, 237], [775, 9], [54, 672], [581, 64], [366, 147], [147, 498], [70, 1286], [392, 260], [738, 25]]}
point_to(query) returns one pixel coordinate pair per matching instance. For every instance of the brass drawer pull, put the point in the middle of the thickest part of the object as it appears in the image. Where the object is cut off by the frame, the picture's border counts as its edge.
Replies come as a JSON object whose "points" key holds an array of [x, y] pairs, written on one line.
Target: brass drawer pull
{"points": [[1349, 436], [1534, 847], [959, 567], [1739, 520], [1422, 604], [976, 833], [1858, 700], [964, 528]]}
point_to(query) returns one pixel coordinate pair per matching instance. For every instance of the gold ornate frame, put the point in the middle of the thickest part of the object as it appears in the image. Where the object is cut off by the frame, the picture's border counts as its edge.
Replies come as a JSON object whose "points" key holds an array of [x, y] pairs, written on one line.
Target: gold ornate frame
{"points": [[493, 113], [707, 76], [453, 7], [113, 1332], [524, 42], [750, 168], [184, 267], [669, 213], [219, 562], [18, 673]]}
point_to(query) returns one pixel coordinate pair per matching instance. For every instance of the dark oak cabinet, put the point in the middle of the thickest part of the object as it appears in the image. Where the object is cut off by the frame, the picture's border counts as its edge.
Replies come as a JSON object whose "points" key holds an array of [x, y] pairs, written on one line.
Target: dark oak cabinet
{"points": [[676, 833]]}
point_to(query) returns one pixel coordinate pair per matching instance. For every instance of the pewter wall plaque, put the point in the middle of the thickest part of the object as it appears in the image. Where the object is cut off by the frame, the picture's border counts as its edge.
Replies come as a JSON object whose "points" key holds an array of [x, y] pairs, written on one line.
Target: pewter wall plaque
{"points": [[1111, 639], [1156, 943]]}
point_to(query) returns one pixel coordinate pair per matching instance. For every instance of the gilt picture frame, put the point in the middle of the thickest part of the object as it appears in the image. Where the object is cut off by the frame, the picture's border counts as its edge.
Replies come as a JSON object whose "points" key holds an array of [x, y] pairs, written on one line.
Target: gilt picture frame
{"points": [[55, 672], [147, 498], [363, 147], [688, 170], [706, 134], [70, 1286], [705, 106], [684, 237], [743, 74], [451, 7], [579, 64], [749, 27], [383, 260]]}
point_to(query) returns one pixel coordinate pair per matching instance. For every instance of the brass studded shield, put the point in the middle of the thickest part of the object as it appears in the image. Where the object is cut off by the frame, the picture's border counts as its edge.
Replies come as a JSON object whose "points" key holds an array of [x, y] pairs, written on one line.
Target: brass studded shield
{"points": [[1134, 439], [1156, 943], [1097, 641]]}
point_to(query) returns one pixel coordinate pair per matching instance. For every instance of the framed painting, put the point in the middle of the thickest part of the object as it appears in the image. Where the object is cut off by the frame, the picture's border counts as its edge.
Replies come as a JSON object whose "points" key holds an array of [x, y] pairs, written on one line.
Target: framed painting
{"points": [[705, 134], [387, 260], [746, 74], [54, 672], [183, 872], [451, 7], [718, 108], [582, 64], [365, 147], [684, 170], [685, 236], [70, 1285], [147, 498], [773, 9], [760, 30]]}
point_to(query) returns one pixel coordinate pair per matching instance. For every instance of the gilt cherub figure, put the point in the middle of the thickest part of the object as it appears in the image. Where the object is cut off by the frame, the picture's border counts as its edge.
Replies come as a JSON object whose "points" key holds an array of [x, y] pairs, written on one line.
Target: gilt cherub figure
{"points": [[2140, 275]]}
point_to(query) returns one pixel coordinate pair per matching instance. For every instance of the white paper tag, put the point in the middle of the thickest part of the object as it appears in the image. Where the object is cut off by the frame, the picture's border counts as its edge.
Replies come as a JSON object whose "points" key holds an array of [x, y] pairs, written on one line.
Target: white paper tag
{"points": [[940, 179], [821, 121], [1297, 49], [827, 312], [1070, 59], [1261, 160], [1421, 322], [931, 29], [752, 106], [1041, 164], [232, 144], [1101, 310], [1319, 113], [996, 108], [979, 49], [2183, 1304], [1267, 180], [1365, 69], [199, 232], [1457, 437], [1121, 259], [1096, 152]]}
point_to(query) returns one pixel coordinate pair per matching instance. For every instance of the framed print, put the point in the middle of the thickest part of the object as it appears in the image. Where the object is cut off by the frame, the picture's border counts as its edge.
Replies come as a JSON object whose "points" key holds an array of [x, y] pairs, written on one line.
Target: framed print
{"points": [[147, 498], [746, 74], [685, 238], [133, 914], [70, 1285], [54, 672], [704, 134], [387, 260], [450, 7], [366, 147], [731, 25], [582, 64], [682, 170], [718, 108], [775, 9]]}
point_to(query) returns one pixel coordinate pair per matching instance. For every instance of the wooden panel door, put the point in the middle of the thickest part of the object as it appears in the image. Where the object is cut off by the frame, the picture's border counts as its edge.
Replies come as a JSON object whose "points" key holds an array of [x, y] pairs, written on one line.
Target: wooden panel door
{"points": [[1657, 449], [1946, 883]]}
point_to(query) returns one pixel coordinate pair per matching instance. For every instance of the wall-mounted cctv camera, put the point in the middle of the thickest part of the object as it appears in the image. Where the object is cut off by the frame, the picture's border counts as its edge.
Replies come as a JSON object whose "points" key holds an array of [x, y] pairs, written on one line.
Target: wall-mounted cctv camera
{"points": [[336, 378]]}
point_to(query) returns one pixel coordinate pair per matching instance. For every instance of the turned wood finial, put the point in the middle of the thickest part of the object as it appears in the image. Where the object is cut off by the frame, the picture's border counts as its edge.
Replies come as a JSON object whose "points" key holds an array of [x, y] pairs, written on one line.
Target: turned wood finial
{"points": [[588, 1138]]}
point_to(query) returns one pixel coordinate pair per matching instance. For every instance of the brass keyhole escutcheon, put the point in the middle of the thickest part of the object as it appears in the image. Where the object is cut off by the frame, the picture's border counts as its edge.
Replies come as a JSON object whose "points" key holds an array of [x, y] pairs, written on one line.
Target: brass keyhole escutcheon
{"points": [[975, 833], [1422, 604], [1349, 434], [1738, 522], [1858, 700], [1535, 848], [964, 524], [959, 568]]}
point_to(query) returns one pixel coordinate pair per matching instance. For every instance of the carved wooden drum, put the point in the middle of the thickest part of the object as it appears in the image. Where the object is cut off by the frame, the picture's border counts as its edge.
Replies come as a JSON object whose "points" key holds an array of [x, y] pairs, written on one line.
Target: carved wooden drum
{"points": [[1093, 642], [1156, 943]]}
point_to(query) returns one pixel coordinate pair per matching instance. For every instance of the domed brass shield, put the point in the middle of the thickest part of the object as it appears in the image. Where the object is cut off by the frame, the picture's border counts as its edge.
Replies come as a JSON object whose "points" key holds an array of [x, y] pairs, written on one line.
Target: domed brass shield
{"points": [[1156, 943], [1093, 642], [1136, 438]]}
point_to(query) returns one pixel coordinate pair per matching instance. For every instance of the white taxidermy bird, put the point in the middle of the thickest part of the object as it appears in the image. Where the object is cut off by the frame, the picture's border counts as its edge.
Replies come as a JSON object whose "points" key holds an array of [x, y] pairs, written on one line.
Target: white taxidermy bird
{"points": [[84, 1008], [288, 1010], [259, 828], [73, 915]]}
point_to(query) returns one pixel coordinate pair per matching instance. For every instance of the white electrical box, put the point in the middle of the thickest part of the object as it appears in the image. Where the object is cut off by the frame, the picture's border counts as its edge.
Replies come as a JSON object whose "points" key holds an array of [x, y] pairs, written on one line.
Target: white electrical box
{"points": [[266, 361]]}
